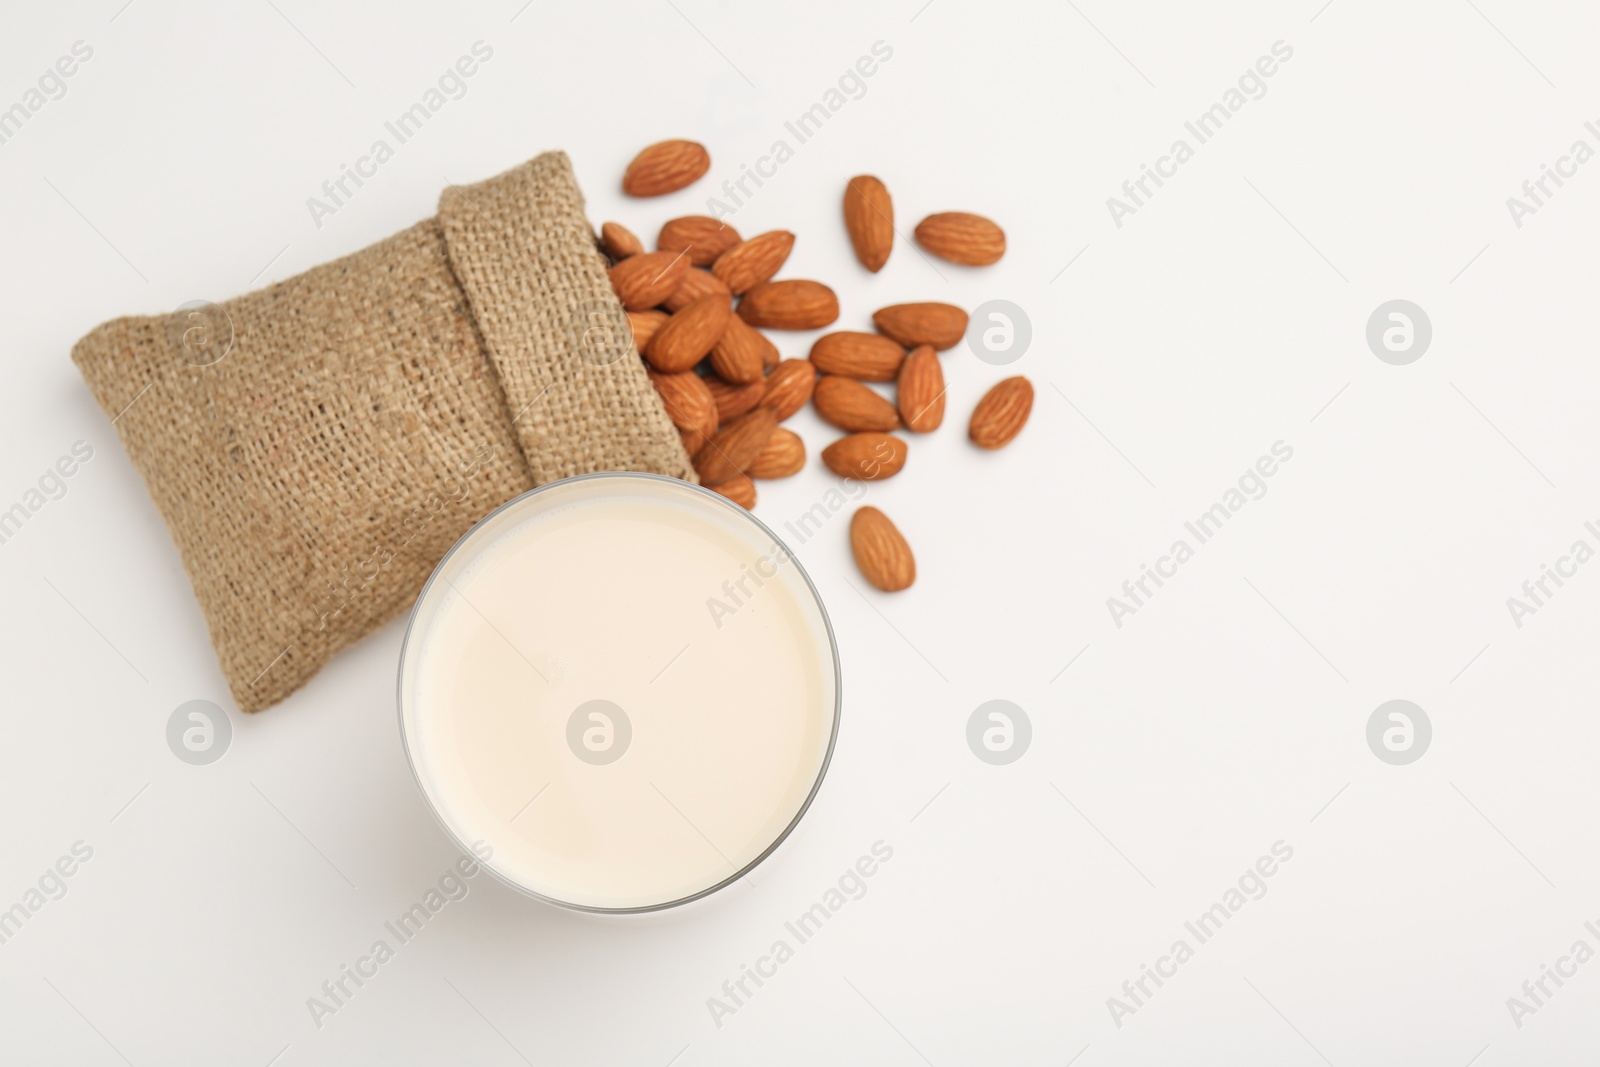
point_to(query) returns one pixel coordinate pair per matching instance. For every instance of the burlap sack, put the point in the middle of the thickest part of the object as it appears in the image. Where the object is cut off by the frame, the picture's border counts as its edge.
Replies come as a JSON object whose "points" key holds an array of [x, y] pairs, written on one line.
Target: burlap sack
{"points": [[316, 447]]}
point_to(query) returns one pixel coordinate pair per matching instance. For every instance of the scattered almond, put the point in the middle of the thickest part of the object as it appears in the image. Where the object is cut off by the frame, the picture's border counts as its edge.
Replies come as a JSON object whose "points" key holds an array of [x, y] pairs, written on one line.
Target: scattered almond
{"points": [[702, 236], [849, 405], [734, 447], [687, 399], [737, 354], [1002, 413], [960, 237], [783, 454], [685, 338], [880, 551], [666, 167], [939, 325], [866, 356], [789, 387], [869, 219], [919, 392], [645, 280], [867, 456], [733, 399], [696, 283], [749, 263], [619, 241], [739, 489], [644, 325]]}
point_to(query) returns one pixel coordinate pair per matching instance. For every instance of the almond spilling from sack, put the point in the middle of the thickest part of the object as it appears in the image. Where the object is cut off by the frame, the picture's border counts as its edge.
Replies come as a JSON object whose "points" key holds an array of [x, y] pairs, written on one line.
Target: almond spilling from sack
{"points": [[696, 283], [869, 220], [749, 263], [939, 325], [849, 405], [790, 305], [970, 240], [619, 241], [868, 457], [1001, 414], [783, 455], [686, 338], [645, 280], [734, 447], [858, 355], [739, 489], [880, 551], [666, 167], [701, 236], [789, 387]]}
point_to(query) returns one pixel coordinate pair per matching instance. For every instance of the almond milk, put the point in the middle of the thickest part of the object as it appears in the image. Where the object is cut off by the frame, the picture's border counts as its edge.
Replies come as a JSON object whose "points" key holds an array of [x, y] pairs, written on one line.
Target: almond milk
{"points": [[624, 686]]}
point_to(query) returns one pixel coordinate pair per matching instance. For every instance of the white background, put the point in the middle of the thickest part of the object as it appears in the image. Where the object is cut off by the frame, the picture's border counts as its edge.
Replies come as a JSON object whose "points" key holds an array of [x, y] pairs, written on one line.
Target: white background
{"points": [[1227, 314]]}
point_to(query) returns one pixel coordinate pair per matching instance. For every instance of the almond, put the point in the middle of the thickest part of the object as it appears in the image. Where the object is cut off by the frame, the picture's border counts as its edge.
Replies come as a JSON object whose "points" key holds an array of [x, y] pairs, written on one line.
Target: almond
{"points": [[970, 240], [789, 386], [666, 167], [749, 263], [866, 356], [919, 392], [644, 325], [790, 305], [644, 280], [685, 338], [733, 400], [739, 489], [619, 241], [850, 405], [702, 236], [696, 283], [880, 551], [869, 220], [687, 399], [783, 454], [693, 440], [1002, 413], [867, 456], [770, 357], [734, 447], [939, 325], [737, 356]]}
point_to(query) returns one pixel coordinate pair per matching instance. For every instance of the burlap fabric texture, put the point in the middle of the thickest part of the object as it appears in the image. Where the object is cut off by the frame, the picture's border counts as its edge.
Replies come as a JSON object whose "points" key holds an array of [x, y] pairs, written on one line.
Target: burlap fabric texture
{"points": [[315, 447]]}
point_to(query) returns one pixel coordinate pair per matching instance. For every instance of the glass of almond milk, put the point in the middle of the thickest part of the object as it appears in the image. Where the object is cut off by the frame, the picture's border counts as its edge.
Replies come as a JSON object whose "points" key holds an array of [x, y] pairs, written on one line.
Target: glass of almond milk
{"points": [[625, 686]]}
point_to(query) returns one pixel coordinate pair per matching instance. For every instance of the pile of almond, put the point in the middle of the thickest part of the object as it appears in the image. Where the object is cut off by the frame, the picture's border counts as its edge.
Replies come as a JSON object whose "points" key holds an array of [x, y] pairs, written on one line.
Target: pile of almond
{"points": [[698, 305]]}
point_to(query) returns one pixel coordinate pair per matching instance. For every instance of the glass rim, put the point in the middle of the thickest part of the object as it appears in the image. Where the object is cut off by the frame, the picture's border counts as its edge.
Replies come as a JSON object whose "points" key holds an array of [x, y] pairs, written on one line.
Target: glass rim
{"points": [[739, 513]]}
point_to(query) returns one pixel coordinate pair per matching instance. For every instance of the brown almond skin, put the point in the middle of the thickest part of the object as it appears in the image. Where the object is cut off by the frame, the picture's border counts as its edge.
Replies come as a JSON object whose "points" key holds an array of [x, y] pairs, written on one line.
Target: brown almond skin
{"points": [[866, 356], [687, 399], [868, 457], [644, 325], [919, 391], [961, 237], [749, 263], [770, 357], [619, 241], [940, 325], [666, 167], [702, 236], [645, 280], [1002, 413], [734, 447], [693, 441], [783, 455], [733, 400], [881, 551], [869, 220], [685, 338], [849, 405], [696, 283], [739, 489], [789, 386], [793, 304], [737, 356]]}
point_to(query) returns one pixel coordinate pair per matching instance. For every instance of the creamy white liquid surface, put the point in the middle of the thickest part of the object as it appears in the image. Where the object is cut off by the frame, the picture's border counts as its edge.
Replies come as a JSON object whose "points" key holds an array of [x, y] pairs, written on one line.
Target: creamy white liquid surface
{"points": [[597, 590]]}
